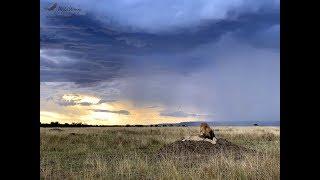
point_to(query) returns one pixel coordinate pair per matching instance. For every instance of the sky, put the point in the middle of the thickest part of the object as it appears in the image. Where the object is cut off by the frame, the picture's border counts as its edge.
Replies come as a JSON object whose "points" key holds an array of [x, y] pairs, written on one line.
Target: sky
{"points": [[117, 62]]}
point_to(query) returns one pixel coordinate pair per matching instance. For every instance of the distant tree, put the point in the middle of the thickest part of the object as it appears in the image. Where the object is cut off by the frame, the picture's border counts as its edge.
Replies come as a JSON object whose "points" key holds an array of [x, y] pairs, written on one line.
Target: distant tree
{"points": [[54, 124], [57, 124]]}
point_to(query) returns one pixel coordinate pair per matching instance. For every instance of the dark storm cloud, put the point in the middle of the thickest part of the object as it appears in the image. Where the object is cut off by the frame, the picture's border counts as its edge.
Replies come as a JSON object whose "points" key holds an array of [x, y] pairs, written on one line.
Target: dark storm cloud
{"points": [[66, 103], [168, 16], [76, 67], [124, 112], [244, 84], [104, 51], [85, 104], [182, 114], [216, 56], [84, 33], [73, 103]]}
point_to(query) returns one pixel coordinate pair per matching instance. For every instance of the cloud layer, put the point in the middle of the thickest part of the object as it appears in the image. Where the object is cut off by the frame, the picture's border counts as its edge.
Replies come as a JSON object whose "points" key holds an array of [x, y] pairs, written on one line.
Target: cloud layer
{"points": [[168, 15], [186, 59], [108, 111]]}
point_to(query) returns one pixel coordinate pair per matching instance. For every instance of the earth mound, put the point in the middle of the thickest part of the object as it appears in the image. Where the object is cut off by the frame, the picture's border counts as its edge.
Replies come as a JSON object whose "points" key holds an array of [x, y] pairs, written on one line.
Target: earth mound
{"points": [[187, 148]]}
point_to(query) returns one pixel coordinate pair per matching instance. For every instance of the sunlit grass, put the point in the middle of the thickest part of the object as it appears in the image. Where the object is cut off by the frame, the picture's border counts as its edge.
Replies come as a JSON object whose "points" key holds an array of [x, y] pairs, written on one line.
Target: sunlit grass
{"points": [[127, 153]]}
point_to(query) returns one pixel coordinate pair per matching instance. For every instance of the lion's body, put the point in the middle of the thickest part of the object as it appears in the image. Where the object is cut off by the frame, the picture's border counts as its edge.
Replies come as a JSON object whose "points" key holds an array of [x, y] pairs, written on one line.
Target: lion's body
{"points": [[206, 134], [198, 138]]}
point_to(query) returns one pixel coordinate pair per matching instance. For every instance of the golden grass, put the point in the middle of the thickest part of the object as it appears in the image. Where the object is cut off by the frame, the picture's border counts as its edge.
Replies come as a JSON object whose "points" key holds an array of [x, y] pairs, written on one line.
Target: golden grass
{"points": [[127, 153]]}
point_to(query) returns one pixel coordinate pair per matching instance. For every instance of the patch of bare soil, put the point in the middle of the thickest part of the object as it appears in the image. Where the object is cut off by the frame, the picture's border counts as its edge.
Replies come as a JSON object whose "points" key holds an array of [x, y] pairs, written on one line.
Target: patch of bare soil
{"points": [[202, 148]]}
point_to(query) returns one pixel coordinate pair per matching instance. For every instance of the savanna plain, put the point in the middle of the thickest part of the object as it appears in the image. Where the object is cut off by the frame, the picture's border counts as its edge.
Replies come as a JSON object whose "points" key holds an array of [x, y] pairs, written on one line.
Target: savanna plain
{"points": [[130, 153]]}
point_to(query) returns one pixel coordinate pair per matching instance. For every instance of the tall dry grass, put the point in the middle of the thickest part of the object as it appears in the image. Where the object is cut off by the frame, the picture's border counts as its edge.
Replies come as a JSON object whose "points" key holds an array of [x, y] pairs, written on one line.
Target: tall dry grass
{"points": [[128, 153]]}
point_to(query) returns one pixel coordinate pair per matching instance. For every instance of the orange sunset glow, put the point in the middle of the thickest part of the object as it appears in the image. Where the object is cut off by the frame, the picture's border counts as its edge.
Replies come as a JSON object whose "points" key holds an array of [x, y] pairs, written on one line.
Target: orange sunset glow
{"points": [[94, 112]]}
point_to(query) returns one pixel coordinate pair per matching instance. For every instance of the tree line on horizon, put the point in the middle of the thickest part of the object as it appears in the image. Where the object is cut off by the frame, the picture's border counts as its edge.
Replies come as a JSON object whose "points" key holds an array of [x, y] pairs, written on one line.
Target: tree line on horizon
{"points": [[57, 124]]}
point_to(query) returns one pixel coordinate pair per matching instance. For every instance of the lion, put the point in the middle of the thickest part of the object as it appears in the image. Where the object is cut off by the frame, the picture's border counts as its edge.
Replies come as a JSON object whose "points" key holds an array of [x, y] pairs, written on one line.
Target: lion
{"points": [[206, 131], [206, 134]]}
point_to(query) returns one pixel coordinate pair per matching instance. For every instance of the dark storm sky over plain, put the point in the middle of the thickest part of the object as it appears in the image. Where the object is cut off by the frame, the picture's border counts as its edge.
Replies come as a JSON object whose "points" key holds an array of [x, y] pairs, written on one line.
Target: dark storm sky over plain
{"points": [[219, 58]]}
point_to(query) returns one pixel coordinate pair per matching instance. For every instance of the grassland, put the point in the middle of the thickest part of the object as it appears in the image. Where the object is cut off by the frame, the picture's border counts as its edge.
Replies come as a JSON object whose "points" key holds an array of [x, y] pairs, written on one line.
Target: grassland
{"points": [[127, 153]]}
